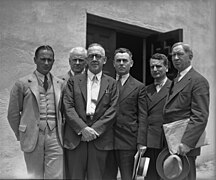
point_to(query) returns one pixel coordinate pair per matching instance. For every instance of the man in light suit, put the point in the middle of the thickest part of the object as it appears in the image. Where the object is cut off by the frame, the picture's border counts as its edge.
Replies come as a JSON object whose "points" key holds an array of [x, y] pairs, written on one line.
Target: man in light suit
{"points": [[151, 132], [77, 62], [34, 115], [129, 116], [90, 102], [188, 98]]}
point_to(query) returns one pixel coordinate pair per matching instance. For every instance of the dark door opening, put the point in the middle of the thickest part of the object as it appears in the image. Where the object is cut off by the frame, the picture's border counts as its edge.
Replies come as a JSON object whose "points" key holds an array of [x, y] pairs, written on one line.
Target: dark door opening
{"points": [[135, 45]]}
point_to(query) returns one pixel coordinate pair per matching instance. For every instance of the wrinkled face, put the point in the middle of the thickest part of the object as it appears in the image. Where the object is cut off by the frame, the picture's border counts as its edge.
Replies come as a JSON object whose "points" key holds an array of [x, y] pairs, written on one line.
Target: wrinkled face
{"points": [[96, 59], [122, 63], [77, 62], [158, 69], [180, 58], [44, 61]]}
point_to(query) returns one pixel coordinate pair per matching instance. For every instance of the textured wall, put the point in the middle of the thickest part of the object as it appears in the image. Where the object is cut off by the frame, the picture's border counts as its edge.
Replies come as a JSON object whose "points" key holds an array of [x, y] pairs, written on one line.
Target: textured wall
{"points": [[24, 25]]}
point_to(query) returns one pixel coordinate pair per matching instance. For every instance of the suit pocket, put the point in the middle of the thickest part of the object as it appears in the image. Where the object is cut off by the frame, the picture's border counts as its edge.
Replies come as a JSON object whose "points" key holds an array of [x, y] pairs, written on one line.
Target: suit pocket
{"points": [[22, 128]]}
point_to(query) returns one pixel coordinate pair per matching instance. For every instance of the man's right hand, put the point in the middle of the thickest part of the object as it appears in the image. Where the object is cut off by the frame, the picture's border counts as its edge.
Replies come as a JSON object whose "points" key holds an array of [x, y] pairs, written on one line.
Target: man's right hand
{"points": [[88, 134]]}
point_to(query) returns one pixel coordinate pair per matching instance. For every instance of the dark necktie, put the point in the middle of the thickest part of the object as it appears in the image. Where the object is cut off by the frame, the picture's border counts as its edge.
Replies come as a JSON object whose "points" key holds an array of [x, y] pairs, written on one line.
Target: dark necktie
{"points": [[45, 84], [119, 84]]}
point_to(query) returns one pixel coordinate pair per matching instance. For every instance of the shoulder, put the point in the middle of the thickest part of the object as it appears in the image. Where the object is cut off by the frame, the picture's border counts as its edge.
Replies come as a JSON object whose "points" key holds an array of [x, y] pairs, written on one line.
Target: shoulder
{"points": [[108, 78], [136, 82], [197, 77]]}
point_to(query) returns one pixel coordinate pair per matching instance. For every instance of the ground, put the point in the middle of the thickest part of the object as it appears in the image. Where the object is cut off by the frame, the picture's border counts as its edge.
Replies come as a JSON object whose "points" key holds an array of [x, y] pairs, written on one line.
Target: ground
{"points": [[12, 165]]}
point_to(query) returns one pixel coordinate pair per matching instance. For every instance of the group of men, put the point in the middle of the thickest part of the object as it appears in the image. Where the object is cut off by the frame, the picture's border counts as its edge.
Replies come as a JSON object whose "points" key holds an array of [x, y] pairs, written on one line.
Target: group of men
{"points": [[88, 125]]}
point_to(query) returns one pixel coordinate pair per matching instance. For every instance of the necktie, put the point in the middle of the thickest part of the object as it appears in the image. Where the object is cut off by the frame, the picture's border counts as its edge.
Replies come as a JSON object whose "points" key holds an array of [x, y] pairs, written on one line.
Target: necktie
{"points": [[45, 84], [94, 95], [119, 84], [177, 78]]}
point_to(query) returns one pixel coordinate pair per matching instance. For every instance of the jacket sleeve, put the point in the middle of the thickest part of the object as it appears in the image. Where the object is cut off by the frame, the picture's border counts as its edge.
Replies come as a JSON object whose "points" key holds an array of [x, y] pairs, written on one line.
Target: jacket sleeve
{"points": [[15, 107]]}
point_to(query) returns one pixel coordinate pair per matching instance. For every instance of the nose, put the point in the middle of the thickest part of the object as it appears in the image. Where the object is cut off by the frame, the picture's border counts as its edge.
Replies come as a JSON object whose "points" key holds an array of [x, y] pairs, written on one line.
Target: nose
{"points": [[121, 62], [77, 61], [46, 62], [155, 68]]}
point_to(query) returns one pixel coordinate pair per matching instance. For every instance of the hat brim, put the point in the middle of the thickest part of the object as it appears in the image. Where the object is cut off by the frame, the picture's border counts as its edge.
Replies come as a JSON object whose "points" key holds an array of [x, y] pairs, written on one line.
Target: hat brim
{"points": [[159, 165]]}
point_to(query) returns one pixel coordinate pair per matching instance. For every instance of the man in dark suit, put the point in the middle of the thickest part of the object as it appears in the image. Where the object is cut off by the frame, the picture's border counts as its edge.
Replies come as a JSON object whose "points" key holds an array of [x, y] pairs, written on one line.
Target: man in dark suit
{"points": [[90, 102], [188, 98], [34, 115], [129, 116], [77, 62], [151, 132]]}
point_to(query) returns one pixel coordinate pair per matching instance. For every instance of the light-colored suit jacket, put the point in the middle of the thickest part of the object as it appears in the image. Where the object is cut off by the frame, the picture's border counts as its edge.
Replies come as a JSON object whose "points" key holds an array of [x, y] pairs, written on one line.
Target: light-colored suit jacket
{"points": [[151, 129], [75, 100], [24, 112], [189, 98], [130, 114]]}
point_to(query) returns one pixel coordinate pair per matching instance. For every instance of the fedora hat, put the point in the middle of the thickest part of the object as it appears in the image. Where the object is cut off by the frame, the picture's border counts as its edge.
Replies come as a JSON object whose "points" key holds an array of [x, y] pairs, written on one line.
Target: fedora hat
{"points": [[172, 166]]}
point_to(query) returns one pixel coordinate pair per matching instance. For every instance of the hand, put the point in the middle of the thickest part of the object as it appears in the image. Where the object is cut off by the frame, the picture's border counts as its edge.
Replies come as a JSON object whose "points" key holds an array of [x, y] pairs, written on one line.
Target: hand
{"points": [[183, 149], [88, 134], [142, 149]]}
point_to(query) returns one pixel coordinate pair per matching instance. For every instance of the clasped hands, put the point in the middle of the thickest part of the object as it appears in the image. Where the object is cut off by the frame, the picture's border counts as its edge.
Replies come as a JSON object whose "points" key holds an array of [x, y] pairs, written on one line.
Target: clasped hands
{"points": [[88, 134]]}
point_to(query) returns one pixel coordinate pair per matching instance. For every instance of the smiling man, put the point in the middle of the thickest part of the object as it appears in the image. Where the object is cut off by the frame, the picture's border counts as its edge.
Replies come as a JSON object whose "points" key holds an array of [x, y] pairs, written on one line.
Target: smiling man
{"points": [[34, 115], [90, 103]]}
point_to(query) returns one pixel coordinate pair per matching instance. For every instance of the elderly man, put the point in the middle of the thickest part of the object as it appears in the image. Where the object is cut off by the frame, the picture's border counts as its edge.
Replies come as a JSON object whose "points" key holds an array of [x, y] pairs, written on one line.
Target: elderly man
{"points": [[90, 102], [188, 98], [77, 61], [34, 115]]}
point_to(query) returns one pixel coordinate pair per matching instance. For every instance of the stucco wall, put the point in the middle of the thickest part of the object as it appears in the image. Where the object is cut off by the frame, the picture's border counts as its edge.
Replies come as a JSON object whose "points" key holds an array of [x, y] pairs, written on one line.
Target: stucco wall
{"points": [[24, 25]]}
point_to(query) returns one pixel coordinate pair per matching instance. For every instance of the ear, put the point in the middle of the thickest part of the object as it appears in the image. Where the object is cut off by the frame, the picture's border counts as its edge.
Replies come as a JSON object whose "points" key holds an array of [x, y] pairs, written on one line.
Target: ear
{"points": [[35, 60], [131, 63], [105, 60]]}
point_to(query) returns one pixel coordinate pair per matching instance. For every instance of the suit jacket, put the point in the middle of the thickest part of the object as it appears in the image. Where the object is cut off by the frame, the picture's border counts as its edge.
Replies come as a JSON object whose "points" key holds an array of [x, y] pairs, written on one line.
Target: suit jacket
{"points": [[130, 114], [151, 129], [189, 98], [24, 112], [75, 100], [66, 76]]}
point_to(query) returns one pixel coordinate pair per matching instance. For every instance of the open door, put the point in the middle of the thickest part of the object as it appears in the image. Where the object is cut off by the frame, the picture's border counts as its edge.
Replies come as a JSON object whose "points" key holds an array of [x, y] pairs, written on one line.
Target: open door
{"points": [[107, 38], [162, 43]]}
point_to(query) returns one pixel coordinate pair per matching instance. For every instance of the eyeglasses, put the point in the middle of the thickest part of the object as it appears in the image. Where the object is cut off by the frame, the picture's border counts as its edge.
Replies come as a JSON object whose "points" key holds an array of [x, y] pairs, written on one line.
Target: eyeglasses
{"points": [[97, 56], [77, 59], [179, 54]]}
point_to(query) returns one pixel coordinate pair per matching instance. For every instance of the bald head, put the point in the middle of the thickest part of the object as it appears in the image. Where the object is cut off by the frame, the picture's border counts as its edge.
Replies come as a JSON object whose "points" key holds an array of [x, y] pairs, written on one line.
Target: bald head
{"points": [[77, 59]]}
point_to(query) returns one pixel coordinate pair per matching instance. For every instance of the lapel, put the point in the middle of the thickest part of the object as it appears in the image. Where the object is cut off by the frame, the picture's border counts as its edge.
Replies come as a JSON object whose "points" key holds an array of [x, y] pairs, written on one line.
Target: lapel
{"points": [[82, 81], [103, 87], [57, 90], [33, 85], [180, 85], [157, 97], [128, 87]]}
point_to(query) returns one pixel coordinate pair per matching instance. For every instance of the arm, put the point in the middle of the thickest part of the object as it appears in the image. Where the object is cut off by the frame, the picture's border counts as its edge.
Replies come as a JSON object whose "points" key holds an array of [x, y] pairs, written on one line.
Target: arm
{"points": [[142, 120], [15, 107]]}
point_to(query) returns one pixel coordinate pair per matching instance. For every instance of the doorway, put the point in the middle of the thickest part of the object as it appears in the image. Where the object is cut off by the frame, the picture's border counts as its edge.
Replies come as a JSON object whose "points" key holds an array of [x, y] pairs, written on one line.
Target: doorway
{"points": [[142, 42]]}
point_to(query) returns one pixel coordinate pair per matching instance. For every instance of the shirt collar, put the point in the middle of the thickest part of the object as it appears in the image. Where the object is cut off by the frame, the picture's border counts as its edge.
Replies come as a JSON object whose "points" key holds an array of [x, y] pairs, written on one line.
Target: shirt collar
{"points": [[185, 71], [123, 78], [41, 76], [161, 83], [74, 73], [91, 75]]}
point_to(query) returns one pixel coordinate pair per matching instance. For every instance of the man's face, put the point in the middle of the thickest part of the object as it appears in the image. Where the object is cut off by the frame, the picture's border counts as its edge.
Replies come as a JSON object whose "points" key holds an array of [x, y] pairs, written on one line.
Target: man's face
{"points": [[77, 62], [122, 63], [158, 69], [180, 58], [96, 59], [44, 61]]}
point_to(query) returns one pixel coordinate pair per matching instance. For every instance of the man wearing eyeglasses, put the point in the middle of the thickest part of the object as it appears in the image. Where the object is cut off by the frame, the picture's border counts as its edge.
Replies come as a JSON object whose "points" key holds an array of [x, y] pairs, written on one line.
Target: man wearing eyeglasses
{"points": [[77, 61], [188, 98], [90, 103]]}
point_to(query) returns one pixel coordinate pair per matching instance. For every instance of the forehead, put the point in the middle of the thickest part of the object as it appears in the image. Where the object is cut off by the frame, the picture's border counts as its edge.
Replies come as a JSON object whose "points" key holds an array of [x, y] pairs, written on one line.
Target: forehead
{"points": [[122, 56], [178, 48], [96, 50], [45, 52], [156, 62]]}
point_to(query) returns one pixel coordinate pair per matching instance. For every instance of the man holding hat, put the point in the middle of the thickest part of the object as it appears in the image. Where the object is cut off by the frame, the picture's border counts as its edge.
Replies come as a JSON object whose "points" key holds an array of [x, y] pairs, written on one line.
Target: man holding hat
{"points": [[188, 99]]}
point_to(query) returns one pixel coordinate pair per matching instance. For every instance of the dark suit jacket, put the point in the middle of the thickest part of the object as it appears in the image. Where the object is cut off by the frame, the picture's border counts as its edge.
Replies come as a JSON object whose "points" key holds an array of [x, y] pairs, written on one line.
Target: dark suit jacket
{"points": [[151, 130], [75, 100], [129, 115], [189, 98]]}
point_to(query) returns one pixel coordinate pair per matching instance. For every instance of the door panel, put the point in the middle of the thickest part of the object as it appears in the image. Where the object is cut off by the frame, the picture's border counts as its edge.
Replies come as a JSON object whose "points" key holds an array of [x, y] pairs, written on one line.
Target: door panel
{"points": [[107, 38], [162, 43]]}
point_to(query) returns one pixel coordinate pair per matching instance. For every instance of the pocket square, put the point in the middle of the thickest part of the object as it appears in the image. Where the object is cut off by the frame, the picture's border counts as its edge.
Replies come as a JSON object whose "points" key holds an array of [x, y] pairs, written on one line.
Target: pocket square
{"points": [[107, 91]]}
